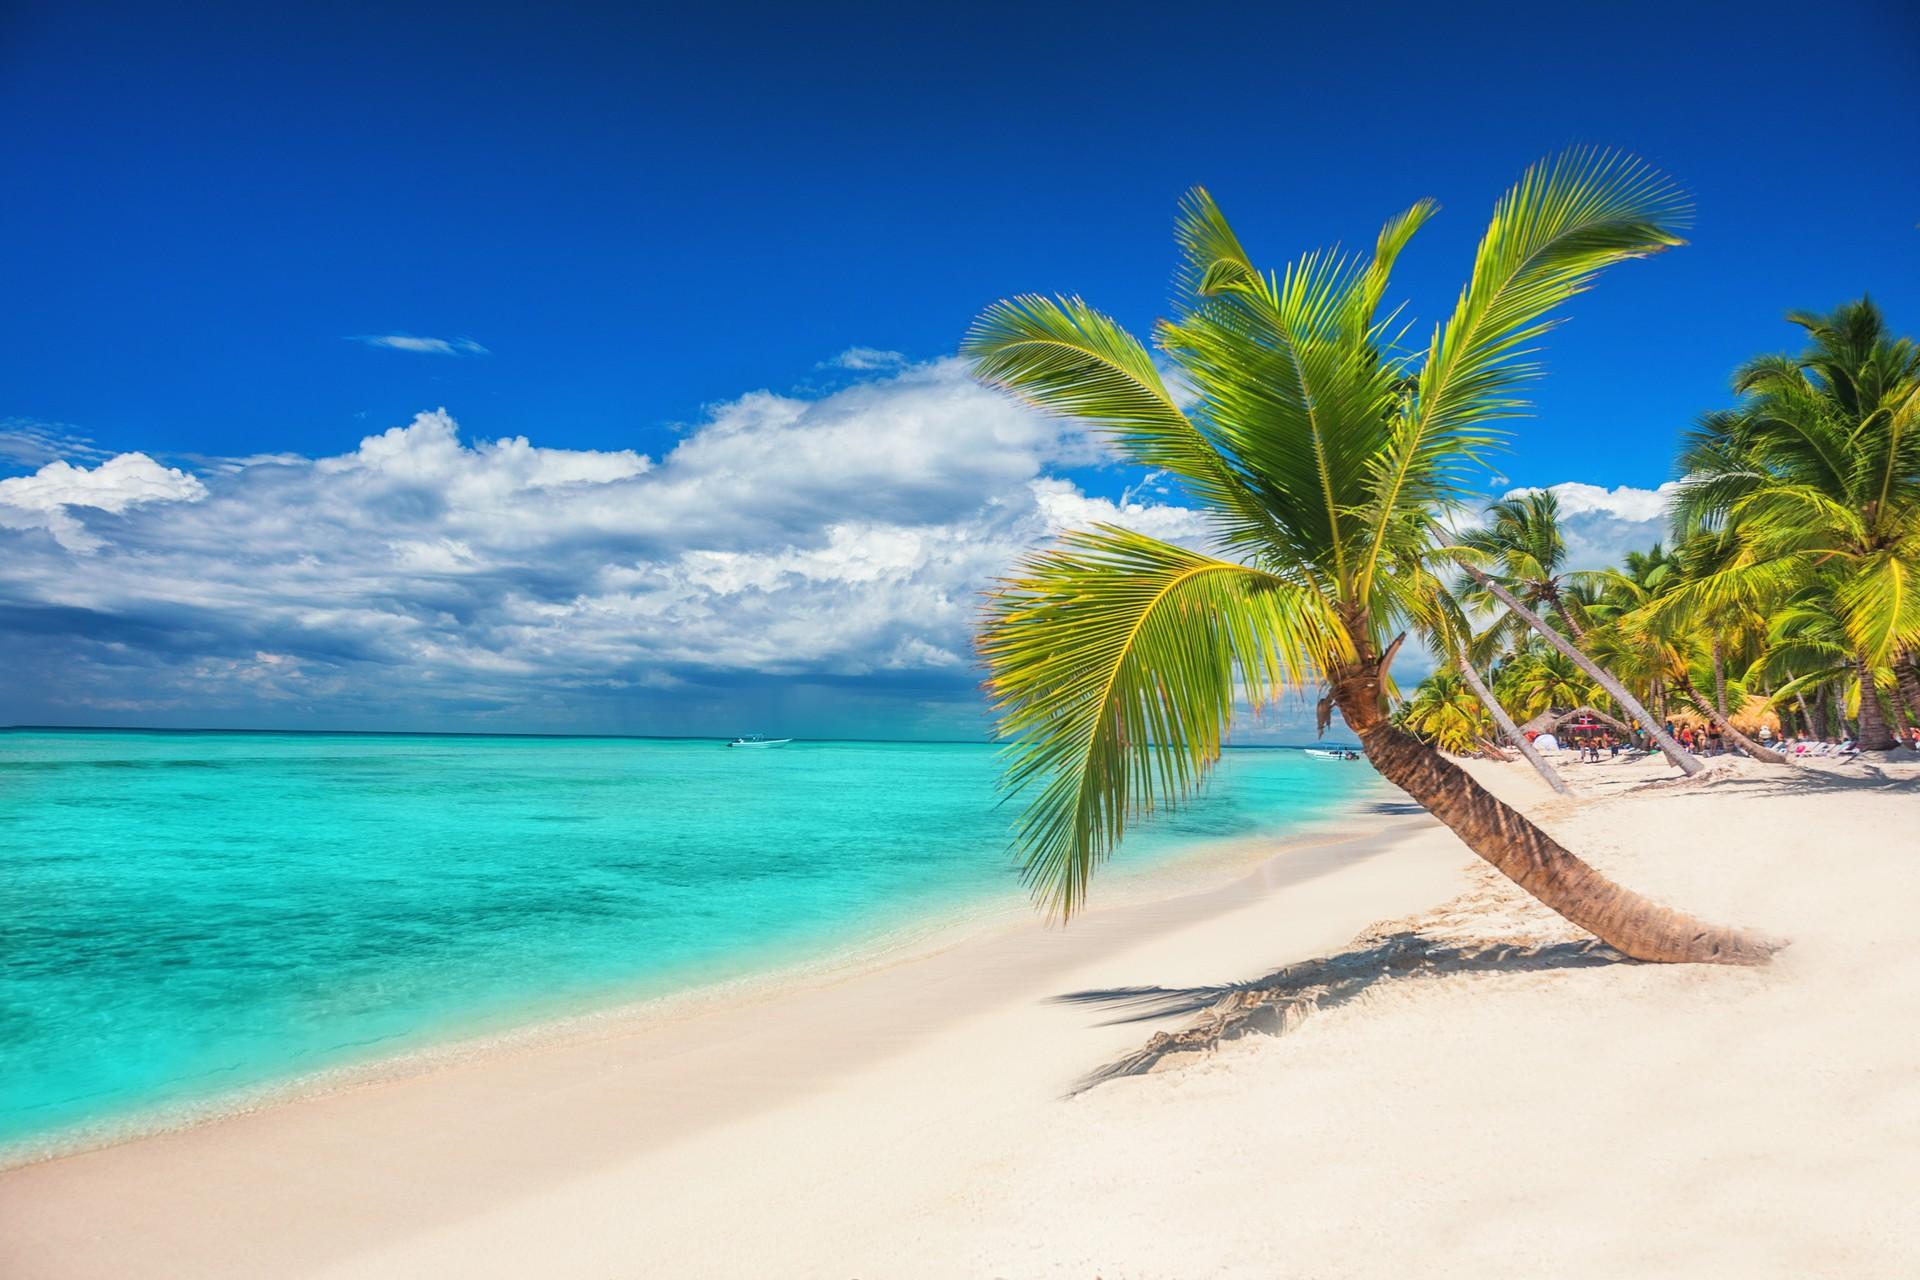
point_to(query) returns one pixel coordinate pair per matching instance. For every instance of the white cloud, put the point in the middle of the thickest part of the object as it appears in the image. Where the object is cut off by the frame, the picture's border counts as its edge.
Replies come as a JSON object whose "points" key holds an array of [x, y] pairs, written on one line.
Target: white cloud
{"points": [[840, 539], [116, 484], [836, 545], [1601, 525], [42, 500], [866, 359], [1622, 503], [423, 346]]}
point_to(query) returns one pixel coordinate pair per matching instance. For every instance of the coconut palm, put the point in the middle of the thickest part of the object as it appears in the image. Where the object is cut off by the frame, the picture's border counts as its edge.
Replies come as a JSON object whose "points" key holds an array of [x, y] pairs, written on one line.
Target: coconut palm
{"points": [[1617, 646], [1445, 711], [1320, 450], [1449, 634], [1525, 551], [1541, 679], [1680, 652], [1815, 478], [1516, 560], [1688, 629]]}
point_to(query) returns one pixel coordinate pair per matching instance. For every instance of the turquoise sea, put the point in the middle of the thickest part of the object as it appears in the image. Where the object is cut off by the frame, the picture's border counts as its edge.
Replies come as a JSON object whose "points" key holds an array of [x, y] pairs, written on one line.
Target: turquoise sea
{"points": [[188, 915]]}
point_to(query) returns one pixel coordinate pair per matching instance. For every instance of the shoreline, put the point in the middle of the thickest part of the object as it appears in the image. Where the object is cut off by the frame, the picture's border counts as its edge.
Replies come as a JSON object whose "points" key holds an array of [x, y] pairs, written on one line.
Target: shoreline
{"points": [[1200, 867], [1497, 1097], [363, 1169]]}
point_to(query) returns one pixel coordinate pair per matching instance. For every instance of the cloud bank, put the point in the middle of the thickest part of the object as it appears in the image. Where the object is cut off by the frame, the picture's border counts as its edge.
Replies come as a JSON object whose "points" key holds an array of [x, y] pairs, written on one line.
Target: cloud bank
{"points": [[793, 564], [818, 557]]}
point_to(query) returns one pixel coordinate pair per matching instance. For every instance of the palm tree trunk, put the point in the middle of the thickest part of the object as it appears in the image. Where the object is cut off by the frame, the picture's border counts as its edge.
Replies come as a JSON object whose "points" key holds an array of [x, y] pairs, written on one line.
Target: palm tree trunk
{"points": [[1909, 678], [1897, 712], [1874, 733], [1574, 629], [1817, 713], [1509, 728], [1633, 925], [1719, 678], [1765, 755], [1673, 750]]}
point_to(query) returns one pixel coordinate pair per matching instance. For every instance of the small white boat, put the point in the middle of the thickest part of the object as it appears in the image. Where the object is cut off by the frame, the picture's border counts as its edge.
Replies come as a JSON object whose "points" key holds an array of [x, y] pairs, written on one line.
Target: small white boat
{"points": [[1320, 753], [756, 740]]}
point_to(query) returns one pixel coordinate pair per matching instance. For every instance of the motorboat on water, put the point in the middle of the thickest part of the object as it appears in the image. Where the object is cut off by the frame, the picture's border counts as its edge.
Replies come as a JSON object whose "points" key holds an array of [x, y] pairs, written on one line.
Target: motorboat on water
{"points": [[759, 740], [1321, 753]]}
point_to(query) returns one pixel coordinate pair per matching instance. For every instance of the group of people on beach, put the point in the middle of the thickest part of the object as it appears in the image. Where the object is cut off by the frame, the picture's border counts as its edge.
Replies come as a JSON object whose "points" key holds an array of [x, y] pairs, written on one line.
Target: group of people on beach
{"points": [[1707, 740]]}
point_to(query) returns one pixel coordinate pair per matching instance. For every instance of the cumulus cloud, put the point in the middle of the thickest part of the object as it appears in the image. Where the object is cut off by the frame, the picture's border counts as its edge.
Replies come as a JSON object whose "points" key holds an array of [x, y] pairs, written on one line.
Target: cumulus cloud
{"points": [[423, 346], [1601, 525], [839, 542], [43, 500]]}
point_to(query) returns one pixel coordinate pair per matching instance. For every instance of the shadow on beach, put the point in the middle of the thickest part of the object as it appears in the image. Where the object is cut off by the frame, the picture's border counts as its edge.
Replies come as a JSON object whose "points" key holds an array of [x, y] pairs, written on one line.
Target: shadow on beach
{"points": [[1280, 1001]]}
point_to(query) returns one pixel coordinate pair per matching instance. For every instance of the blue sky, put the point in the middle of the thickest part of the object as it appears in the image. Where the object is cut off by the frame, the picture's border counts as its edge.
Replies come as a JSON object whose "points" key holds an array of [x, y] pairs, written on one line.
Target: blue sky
{"points": [[606, 232]]}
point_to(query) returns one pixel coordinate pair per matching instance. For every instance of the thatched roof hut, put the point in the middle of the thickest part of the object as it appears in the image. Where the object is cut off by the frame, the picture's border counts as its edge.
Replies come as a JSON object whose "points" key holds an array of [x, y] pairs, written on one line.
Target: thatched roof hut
{"points": [[1747, 718], [1551, 721]]}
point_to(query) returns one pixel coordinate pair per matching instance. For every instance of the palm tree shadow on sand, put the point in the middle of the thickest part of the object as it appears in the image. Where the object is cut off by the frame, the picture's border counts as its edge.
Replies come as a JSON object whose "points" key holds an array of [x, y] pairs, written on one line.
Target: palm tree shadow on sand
{"points": [[1283, 999]]}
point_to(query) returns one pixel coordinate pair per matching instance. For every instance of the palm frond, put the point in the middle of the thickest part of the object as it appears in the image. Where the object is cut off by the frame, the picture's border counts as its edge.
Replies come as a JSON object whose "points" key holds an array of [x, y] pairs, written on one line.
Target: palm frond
{"points": [[1551, 234], [1879, 605], [1115, 662], [1067, 358]]}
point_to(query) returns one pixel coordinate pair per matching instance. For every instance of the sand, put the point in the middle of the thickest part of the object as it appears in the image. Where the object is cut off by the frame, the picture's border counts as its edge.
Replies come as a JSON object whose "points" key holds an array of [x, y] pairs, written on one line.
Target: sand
{"points": [[1504, 1099]]}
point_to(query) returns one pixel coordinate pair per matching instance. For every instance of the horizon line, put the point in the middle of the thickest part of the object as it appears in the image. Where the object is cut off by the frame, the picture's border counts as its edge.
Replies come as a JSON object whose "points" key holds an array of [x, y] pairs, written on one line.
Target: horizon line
{"points": [[480, 733]]}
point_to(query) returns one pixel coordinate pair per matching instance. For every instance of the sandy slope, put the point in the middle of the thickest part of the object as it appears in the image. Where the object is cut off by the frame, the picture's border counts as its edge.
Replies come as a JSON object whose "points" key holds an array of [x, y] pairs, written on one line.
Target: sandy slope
{"points": [[1522, 1110]]}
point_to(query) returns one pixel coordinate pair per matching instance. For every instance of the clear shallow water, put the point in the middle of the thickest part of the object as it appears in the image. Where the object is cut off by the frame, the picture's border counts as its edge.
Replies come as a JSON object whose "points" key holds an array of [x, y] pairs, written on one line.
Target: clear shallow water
{"points": [[185, 915]]}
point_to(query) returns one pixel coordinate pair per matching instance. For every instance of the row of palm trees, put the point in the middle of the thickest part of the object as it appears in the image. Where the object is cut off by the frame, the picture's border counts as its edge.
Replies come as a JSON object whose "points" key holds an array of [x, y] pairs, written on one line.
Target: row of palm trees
{"points": [[1794, 574], [1325, 440]]}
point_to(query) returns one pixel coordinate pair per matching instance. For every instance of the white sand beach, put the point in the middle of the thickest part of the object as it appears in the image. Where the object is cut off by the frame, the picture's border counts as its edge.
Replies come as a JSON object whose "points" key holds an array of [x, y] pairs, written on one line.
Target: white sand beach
{"points": [[1474, 1091]]}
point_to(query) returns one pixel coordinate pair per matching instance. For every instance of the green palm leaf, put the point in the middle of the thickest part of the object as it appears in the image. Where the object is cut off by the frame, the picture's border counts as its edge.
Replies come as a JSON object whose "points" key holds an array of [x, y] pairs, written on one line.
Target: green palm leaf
{"points": [[1067, 358], [1116, 662]]}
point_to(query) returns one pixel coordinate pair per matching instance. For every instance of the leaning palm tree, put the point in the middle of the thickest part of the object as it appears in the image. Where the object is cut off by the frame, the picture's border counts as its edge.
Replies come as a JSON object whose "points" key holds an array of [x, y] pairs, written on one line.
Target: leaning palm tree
{"points": [[1522, 542], [1442, 622], [1815, 479], [1516, 560], [1450, 635], [1320, 449], [1619, 646]]}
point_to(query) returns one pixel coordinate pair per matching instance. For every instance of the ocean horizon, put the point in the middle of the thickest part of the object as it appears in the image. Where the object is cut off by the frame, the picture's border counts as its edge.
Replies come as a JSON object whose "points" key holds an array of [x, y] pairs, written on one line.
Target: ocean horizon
{"points": [[199, 915]]}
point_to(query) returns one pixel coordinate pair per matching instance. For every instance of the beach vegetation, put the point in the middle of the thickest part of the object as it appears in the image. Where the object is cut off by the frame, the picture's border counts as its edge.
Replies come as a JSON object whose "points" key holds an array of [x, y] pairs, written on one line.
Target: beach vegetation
{"points": [[1812, 483], [1327, 441]]}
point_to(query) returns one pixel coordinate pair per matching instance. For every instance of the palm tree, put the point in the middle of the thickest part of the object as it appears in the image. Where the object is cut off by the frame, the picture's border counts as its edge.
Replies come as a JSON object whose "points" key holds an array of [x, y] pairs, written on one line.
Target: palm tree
{"points": [[1508, 729], [1445, 711], [1685, 625], [1449, 634], [1815, 478], [1615, 645], [1679, 651], [1320, 450], [1540, 679], [1522, 537], [1516, 559]]}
